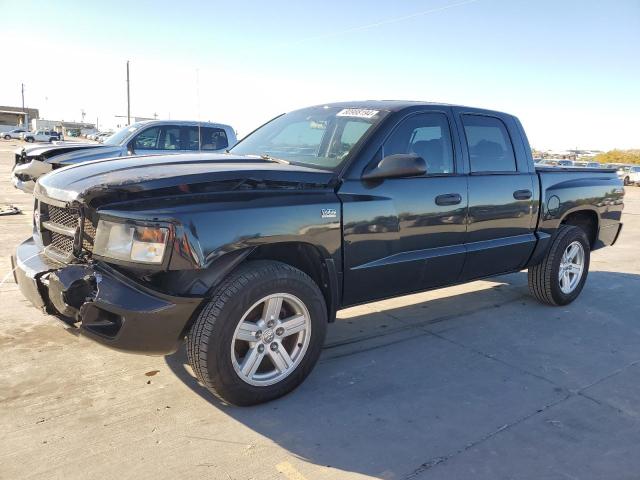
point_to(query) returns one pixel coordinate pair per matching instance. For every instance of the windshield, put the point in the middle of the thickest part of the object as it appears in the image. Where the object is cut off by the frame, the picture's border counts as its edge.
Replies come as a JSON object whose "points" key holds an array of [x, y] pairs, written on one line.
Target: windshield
{"points": [[320, 137], [121, 135]]}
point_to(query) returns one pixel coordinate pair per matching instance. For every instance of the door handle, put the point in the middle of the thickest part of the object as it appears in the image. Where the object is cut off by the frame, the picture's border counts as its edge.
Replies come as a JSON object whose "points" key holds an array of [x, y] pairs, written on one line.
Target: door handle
{"points": [[522, 194], [449, 199]]}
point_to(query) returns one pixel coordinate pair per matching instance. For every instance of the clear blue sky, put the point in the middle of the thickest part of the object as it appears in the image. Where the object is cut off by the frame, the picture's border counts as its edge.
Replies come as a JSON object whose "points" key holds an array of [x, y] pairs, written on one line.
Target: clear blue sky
{"points": [[569, 69]]}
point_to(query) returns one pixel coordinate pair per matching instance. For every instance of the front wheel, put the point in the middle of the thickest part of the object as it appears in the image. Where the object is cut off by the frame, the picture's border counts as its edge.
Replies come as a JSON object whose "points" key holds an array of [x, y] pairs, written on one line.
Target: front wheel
{"points": [[260, 334], [7, 137], [29, 139], [626, 181], [560, 277]]}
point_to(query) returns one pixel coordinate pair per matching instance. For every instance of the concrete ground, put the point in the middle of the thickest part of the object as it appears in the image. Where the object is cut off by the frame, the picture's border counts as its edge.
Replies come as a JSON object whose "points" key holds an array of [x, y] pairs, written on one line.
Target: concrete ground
{"points": [[476, 381]]}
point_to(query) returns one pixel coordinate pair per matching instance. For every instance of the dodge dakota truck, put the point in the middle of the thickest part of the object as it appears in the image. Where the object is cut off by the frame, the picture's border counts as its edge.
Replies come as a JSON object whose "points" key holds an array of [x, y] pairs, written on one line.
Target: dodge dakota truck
{"points": [[141, 138], [249, 254]]}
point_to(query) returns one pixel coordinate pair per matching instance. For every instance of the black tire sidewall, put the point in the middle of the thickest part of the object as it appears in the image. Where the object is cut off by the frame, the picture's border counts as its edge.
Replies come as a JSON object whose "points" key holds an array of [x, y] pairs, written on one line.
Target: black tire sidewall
{"points": [[226, 381], [574, 234]]}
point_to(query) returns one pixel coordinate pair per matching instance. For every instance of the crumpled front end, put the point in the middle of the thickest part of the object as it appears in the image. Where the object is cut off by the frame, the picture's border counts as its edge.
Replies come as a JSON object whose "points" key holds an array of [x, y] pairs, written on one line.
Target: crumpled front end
{"points": [[54, 270], [104, 304], [25, 173]]}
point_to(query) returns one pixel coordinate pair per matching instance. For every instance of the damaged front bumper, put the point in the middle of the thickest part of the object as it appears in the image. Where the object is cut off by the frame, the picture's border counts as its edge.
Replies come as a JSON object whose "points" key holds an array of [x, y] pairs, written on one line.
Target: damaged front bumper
{"points": [[24, 175], [107, 306]]}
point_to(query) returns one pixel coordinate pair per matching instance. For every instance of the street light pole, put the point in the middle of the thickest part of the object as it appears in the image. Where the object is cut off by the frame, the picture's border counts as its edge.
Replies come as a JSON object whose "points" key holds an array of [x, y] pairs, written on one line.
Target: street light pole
{"points": [[128, 98]]}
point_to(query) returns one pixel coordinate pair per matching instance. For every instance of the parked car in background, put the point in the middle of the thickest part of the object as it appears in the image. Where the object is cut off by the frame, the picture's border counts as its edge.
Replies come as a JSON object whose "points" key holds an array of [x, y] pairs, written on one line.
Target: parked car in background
{"points": [[100, 137], [250, 254], [142, 138], [565, 163], [630, 175], [13, 134], [41, 136]]}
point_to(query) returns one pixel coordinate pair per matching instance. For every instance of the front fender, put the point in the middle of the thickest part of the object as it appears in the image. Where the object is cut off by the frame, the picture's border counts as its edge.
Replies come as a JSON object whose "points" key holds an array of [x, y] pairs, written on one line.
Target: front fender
{"points": [[209, 231]]}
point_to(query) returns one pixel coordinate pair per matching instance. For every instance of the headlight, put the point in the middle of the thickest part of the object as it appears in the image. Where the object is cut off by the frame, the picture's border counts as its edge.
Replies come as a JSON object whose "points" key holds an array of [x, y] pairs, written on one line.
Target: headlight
{"points": [[131, 243]]}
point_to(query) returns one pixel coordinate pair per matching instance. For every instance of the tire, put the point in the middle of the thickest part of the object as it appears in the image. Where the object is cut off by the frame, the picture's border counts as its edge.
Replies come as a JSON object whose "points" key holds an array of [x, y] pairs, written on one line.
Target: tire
{"points": [[219, 358], [7, 137], [544, 279], [626, 180], [29, 139]]}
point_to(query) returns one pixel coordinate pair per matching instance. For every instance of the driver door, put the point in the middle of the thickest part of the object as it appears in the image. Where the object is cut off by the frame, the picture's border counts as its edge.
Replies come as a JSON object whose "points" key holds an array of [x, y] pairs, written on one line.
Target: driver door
{"points": [[403, 235]]}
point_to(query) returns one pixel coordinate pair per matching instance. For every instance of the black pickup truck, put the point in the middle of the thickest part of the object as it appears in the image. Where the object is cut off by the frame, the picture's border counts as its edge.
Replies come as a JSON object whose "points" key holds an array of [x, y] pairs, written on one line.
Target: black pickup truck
{"points": [[249, 254]]}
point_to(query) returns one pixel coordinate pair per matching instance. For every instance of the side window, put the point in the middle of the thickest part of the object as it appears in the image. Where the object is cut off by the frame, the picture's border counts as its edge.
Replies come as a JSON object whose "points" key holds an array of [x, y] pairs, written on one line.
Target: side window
{"points": [[490, 148], [427, 135], [214, 138], [171, 139], [147, 139], [191, 138]]}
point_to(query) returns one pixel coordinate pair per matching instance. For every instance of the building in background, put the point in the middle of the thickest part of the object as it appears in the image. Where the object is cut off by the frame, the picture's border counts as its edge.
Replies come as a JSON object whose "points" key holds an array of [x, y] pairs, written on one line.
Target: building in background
{"points": [[68, 129], [12, 117]]}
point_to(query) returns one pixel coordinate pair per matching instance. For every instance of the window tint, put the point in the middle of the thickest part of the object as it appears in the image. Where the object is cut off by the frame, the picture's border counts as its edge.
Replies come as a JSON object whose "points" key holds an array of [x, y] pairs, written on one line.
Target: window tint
{"points": [[213, 138], [147, 139], [490, 148], [426, 135]]}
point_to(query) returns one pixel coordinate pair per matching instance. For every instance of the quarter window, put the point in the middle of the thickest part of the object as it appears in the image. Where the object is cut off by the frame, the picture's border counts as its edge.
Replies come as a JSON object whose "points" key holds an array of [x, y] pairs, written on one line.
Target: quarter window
{"points": [[426, 135], [214, 138], [490, 148]]}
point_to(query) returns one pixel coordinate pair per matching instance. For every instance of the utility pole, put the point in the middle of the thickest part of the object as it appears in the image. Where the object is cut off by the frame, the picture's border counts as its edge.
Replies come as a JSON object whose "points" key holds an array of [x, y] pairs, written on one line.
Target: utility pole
{"points": [[128, 98], [26, 115]]}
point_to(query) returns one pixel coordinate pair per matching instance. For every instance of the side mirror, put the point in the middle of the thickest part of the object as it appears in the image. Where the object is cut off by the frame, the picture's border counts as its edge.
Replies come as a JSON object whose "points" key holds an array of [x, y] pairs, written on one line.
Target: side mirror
{"points": [[397, 166]]}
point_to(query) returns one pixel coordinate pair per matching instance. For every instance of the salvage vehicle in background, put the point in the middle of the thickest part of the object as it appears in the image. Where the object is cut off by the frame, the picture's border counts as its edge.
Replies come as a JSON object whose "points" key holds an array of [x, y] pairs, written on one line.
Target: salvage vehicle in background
{"points": [[142, 138], [629, 174], [250, 254], [41, 136], [13, 134]]}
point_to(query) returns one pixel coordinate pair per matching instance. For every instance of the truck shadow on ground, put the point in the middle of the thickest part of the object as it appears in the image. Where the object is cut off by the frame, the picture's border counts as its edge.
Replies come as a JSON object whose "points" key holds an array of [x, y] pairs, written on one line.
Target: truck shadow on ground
{"points": [[398, 403]]}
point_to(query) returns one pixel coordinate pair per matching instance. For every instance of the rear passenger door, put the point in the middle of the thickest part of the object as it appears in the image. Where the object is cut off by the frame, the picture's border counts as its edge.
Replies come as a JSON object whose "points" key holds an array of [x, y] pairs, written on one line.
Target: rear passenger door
{"points": [[501, 222]]}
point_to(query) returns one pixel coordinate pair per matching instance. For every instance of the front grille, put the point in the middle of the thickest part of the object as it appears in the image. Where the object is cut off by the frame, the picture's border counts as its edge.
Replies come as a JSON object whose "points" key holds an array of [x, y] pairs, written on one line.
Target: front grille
{"points": [[60, 227], [61, 242], [88, 236], [63, 216]]}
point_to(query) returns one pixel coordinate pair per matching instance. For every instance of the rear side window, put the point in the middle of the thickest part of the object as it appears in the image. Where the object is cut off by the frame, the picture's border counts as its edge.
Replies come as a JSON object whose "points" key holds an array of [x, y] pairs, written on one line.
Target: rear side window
{"points": [[213, 138], [490, 148], [426, 135]]}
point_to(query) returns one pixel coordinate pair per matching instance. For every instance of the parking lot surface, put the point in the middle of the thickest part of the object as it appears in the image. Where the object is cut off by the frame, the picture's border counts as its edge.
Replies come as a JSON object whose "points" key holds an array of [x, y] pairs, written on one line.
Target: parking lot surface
{"points": [[474, 381]]}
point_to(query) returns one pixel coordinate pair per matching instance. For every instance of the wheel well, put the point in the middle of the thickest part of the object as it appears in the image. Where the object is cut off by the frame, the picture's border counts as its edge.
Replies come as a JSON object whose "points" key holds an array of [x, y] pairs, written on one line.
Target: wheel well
{"points": [[304, 257], [585, 219]]}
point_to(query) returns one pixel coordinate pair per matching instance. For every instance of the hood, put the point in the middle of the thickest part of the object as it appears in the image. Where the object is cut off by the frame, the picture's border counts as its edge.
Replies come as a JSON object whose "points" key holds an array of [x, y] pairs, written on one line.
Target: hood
{"points": [[127, 178], [48, 151], [79, 154]]}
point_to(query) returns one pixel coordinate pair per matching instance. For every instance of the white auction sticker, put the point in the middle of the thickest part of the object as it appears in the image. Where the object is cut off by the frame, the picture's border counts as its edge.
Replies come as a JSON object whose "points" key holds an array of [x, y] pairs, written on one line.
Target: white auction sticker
{"points": [[357, 112]]}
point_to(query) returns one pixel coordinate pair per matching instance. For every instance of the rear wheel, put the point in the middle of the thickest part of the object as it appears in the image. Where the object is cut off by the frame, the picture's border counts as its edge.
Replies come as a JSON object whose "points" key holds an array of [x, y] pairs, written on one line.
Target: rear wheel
{"points": [[260, 335], [560, 277]]}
